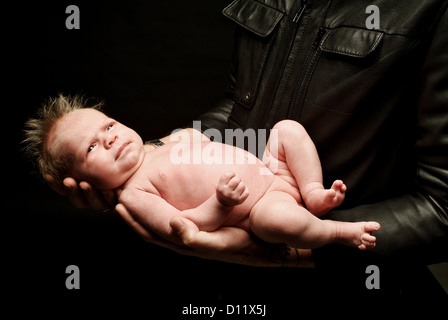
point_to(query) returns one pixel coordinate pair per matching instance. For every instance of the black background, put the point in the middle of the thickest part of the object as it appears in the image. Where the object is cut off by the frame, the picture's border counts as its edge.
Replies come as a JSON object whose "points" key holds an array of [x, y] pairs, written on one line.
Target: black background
{"points": [[157, 65]]}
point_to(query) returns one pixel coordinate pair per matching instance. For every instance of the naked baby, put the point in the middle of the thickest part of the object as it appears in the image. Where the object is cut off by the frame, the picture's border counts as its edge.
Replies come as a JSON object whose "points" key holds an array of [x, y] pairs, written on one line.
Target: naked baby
{"points": [[278, 207]]}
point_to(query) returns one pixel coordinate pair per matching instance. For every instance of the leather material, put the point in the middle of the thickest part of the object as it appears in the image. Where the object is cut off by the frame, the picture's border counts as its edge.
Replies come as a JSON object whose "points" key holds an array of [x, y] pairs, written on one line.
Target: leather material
{"points": [[261, 23], [351, 42], [375, 103]]}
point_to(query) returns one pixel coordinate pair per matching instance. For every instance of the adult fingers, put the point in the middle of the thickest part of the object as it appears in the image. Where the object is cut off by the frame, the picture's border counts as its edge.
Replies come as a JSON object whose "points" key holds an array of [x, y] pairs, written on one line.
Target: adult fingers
{"points": [[56, 187], [209, 244], [74, 193], [110, 197], [70, 188], [127, 217], [146, 234], [93, 196], [184, 229]]}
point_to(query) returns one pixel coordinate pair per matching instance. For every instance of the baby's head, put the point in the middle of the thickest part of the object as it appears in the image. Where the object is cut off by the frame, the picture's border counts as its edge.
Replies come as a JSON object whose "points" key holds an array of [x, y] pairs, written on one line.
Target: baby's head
{"points": [[69, 139]]}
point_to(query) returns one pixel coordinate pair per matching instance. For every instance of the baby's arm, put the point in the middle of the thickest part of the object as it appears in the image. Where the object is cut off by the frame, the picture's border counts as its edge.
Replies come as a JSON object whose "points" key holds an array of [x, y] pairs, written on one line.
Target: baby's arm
{"points": [[156, 212], [149, 210], [209, 216]]}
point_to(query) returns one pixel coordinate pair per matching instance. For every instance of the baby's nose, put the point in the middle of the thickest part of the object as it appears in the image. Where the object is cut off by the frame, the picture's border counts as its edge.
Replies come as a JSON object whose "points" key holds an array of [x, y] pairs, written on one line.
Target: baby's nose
{"points": [[110, 140]]}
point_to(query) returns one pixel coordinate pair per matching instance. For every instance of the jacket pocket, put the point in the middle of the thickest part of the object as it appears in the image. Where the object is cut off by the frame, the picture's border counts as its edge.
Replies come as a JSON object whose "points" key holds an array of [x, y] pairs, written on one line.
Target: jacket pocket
{"points": [[352, 42], [256, 22], [346, 57]]}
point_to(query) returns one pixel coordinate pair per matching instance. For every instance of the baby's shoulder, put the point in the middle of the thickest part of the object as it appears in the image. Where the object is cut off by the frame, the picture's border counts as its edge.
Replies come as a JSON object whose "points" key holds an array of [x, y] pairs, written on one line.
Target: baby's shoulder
{"points": [[132, 191], [140, 181]]}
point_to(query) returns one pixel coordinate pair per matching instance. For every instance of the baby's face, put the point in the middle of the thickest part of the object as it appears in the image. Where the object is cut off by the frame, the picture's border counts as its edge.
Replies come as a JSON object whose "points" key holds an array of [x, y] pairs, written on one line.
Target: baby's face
{"points": [[105, 152]]}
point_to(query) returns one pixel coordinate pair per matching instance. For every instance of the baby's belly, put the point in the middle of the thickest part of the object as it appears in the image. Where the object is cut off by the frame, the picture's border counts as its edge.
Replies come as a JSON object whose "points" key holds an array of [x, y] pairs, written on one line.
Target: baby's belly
{"points": [[186, 185]]}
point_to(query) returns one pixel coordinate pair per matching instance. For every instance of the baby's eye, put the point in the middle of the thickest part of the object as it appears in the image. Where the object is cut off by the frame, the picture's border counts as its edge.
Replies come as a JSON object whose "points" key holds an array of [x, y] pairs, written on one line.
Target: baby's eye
{"points": [[109, 127], [90, 148]]}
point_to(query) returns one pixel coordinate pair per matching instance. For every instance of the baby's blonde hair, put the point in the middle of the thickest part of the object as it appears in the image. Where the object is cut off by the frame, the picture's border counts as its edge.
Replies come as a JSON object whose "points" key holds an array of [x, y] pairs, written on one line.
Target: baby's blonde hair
{"points": [[48, 160]]}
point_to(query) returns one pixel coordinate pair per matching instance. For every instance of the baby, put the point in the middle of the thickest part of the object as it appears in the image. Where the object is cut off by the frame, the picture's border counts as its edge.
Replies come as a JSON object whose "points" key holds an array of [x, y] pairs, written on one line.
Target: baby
{"points": [[282, 207]]}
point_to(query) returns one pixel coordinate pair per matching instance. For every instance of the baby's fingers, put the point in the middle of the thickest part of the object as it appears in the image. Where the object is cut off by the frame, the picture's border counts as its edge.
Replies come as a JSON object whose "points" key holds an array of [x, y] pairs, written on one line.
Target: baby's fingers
{"points": [[244, 194], [235, 183], [226, 178]]}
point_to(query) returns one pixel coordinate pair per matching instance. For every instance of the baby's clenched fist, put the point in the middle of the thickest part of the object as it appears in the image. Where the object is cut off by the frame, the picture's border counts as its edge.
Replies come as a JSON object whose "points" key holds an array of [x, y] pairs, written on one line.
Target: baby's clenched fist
{"points": [[231, 191]]}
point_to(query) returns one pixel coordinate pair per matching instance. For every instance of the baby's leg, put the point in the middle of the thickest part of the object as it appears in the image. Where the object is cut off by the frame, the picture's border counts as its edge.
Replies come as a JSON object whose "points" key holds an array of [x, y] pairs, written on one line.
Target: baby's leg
{"points": [[320, 200], [293, 150], [277, 218]]}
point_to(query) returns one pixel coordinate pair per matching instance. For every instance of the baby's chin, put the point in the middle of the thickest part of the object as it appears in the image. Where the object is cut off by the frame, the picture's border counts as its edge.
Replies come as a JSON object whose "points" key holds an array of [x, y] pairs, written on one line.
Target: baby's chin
{"points": [[119, 173]]}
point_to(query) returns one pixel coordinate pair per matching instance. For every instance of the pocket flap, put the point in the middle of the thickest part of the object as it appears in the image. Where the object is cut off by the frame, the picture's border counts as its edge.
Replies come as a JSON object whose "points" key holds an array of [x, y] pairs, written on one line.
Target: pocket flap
{"points": [[351, 42], [253, 16]]}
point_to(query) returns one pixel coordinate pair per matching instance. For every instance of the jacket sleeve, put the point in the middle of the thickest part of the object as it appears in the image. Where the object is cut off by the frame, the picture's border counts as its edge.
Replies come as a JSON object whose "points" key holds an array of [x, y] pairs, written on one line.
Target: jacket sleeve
{"points": [[414, 227], [216, 118]]}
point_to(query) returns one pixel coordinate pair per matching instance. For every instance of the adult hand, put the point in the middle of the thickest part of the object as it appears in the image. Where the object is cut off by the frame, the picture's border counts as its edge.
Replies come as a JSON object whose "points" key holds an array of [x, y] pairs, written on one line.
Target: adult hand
{"points": [[227, 244], [82, 194]]}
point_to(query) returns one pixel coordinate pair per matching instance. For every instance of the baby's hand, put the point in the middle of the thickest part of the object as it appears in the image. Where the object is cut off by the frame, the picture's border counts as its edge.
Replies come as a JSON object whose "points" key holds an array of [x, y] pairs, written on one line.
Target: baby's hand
{"points": [[230, 190]]}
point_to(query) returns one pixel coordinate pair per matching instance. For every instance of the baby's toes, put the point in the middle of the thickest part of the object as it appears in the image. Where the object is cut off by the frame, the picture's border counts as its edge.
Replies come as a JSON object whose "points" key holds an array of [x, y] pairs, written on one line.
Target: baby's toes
{"points": [[372, 226], [362, 247], [334, 197], [337, 184], [330, 195], [368, 241]]}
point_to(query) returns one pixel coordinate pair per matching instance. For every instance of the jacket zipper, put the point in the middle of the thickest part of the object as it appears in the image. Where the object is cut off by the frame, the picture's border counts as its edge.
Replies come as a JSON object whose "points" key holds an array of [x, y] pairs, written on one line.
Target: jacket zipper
{"points": [[294, 109], [299, 14], [296, 19]]}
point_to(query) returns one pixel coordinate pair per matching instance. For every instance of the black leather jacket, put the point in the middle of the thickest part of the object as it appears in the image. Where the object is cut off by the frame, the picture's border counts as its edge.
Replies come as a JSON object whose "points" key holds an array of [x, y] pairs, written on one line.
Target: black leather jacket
{"points": [[375, 103]]}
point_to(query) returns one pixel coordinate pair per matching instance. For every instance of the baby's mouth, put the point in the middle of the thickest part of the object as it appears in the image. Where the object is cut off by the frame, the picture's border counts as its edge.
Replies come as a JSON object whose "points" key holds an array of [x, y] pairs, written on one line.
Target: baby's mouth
{"points": [[120, 150]]}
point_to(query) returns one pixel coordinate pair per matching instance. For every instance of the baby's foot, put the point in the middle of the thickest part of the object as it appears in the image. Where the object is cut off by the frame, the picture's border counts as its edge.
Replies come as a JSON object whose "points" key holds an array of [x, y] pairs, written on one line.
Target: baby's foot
{"points": [[230, 190], [358, 234], [319, 200]]}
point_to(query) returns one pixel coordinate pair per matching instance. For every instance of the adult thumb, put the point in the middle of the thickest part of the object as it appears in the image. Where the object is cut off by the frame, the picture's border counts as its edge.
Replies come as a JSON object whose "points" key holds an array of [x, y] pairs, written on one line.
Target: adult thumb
{"points": [[184, 229]]}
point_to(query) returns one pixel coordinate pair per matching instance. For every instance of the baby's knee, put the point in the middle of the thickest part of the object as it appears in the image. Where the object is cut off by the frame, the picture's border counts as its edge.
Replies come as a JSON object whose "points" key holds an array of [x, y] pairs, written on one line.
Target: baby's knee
{"points": [[268, 215]]}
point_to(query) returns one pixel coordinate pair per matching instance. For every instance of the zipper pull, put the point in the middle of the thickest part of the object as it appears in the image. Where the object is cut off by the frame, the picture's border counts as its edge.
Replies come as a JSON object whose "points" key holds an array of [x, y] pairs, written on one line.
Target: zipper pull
{"points": [[318, 39], [299, 14]]}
